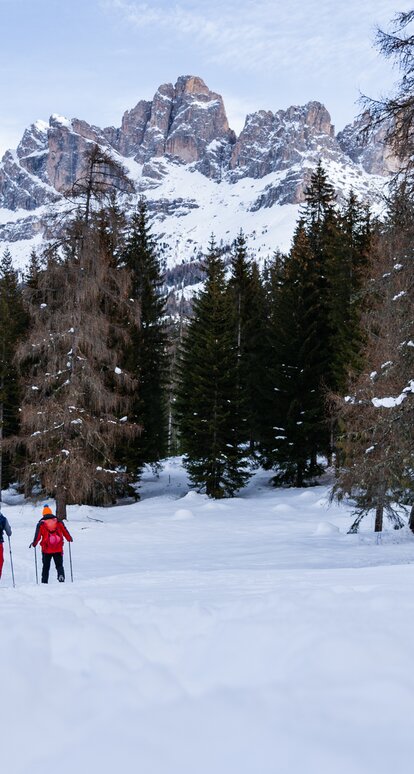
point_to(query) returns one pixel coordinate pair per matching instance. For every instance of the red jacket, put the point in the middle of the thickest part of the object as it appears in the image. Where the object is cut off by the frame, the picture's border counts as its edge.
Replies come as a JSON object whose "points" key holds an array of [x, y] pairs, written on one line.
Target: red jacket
{"points": [[50, 531]]}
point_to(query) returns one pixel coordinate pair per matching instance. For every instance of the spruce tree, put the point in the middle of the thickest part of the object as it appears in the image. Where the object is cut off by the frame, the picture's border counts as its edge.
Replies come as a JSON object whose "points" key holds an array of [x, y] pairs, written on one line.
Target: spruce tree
{"points": [[13, 325], [147, 354], [348, 272], [247, 308], [256, 357], [296, 410], [208, 397], [322, 231]]}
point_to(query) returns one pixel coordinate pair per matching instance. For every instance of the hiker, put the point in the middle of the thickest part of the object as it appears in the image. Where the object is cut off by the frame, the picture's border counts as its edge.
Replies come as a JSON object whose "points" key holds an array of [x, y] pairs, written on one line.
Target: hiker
{"points": [[51, 532], [4, 527]]}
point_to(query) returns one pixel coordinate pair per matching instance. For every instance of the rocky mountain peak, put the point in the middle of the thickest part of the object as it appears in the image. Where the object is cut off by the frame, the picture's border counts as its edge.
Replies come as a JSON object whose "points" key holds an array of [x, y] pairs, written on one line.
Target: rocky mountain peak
{"points": [[191, 84], [181, 121], [271, 142], [34, 139], [182, 131]]}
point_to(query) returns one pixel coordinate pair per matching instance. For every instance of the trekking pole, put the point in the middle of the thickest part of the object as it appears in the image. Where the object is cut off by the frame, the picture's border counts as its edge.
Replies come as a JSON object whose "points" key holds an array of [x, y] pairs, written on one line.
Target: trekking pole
{"points": [[37, 576], [11, 562], [70, 562]]}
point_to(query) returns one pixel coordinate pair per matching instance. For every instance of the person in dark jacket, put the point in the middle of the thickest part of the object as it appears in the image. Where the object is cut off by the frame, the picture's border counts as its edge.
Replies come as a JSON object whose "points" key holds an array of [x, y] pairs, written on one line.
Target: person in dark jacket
{"points": [[51, 532], [4, 527]]}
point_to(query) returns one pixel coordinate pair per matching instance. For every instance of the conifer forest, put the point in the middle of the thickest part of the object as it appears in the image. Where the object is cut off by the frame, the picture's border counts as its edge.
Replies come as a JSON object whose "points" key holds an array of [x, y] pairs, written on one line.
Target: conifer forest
{"points": [[302, 364], [206, 387]]}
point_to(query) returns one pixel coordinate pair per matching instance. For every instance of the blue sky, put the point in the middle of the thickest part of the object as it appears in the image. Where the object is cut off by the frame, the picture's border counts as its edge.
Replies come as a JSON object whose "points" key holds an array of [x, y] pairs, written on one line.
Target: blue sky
{"points": [[94, 59]]}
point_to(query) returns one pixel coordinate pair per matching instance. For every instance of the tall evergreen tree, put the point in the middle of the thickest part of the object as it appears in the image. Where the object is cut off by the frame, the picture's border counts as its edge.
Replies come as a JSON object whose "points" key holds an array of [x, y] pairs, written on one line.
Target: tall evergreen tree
{"points": [[13, 324], [297, 410], [207, 405], [256, 357], [315, 330], [147, 354], [304, 332], [349, 268], [246, 298], [322, 231]]}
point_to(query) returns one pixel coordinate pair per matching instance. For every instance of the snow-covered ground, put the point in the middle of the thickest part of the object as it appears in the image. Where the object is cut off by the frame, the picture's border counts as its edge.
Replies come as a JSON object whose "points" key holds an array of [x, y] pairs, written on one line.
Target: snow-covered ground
{"points": [[247, 636]]}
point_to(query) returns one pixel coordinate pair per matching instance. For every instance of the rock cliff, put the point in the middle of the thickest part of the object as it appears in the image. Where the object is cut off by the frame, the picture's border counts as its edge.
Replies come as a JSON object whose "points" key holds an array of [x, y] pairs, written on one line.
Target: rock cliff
{"points": [[182, 154]]}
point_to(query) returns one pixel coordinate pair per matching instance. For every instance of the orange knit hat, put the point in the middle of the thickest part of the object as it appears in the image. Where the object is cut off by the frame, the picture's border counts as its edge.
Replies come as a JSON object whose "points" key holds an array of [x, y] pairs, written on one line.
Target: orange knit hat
{"points": [[47, 511]]}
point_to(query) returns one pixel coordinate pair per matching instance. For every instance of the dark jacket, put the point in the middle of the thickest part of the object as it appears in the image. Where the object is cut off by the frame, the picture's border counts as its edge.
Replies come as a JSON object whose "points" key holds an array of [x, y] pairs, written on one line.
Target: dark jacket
{"points": [[4, 527]]}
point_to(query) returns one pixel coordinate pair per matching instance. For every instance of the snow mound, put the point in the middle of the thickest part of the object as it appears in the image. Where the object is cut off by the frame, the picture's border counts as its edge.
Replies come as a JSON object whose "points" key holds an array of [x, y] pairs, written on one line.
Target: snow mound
{"points": [[325, 528], [283, 508], [182, 515], [191, 495]]}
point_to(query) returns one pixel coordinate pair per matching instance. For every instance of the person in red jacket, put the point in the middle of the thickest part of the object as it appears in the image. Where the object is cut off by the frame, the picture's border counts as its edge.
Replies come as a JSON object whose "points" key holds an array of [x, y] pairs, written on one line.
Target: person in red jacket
{"points": [[50, 532]]}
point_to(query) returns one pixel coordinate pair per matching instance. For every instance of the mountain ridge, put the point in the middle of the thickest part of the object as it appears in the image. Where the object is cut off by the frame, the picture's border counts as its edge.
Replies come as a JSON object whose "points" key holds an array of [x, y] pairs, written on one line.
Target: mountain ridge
{"points": [[181, 153]]}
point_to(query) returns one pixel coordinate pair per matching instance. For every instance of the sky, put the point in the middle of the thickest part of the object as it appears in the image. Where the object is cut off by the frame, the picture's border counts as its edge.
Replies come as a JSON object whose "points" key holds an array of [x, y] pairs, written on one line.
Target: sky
{"points": [[94, 59]]}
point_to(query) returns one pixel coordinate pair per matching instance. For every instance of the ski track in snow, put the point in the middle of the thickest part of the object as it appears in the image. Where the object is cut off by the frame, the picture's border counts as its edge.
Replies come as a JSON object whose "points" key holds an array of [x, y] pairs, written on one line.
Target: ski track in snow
{"points": [[250, 635]]}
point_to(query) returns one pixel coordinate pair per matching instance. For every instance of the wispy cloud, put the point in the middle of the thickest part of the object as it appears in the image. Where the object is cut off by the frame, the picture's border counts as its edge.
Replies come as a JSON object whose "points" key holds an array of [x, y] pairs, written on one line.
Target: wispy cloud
{"points": [[256, 36]]}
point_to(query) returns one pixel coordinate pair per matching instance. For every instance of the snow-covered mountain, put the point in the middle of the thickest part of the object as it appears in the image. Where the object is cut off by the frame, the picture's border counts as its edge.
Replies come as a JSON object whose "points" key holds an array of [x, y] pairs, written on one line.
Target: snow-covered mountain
{"points": [[199, 178]]}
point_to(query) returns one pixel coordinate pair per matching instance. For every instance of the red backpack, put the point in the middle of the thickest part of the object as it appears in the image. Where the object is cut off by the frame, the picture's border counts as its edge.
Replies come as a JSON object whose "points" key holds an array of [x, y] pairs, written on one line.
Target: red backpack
{"points": [[53, 542]]}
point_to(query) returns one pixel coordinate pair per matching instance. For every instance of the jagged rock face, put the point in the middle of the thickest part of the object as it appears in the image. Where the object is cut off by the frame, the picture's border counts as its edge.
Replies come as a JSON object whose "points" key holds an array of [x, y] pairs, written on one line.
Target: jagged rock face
{"points": [[68, 142], [181, 121], [184, 131], [32, 150], [273, 141], [132, 131], [23, 171], [374, 155], [20, 189]]}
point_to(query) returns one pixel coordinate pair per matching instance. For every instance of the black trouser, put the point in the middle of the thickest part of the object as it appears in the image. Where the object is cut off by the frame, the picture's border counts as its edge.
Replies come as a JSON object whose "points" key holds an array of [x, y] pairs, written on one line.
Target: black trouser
{"points": [[58, 559]]}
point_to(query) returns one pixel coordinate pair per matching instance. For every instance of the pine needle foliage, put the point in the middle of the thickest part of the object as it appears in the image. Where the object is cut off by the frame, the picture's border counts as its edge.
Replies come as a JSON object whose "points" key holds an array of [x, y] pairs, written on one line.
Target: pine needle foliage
{"points": [[146, 357], [208, 398], [247, 309], [13, 325]]}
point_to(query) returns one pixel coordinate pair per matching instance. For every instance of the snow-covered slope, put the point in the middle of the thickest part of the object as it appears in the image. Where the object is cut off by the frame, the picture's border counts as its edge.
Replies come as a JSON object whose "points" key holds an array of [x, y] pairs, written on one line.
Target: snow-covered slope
{"points": [[246, 635], [198, 177]]}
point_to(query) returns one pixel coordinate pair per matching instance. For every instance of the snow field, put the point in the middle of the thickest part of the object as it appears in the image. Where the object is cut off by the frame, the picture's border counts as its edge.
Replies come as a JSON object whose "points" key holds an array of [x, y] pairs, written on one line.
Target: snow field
{"points": [[247, 635]]}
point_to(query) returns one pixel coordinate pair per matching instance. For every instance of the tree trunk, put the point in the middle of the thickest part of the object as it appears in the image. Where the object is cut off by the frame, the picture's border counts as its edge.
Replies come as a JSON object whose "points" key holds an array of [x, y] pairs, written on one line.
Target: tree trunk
{"points": [[299, 475], [379, 512], [61, 503]]}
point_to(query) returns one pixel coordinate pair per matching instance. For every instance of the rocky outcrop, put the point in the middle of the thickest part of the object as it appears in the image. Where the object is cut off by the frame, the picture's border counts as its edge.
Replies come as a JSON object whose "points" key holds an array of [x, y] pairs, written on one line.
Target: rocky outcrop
{"points": [[67, 144], [130, 136], [183, 131], [271, 142], [22, 189], [182, 121], [369, 150]]}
